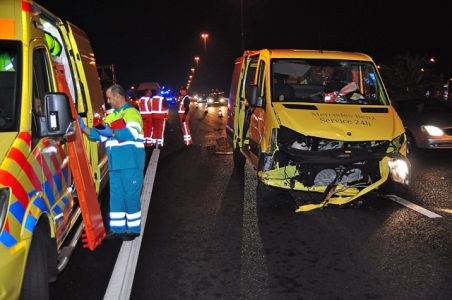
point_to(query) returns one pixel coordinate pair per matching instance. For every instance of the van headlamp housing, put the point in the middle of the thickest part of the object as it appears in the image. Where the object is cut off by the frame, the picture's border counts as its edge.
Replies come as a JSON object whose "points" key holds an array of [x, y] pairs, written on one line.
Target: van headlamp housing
{"points": [[396, 144]]}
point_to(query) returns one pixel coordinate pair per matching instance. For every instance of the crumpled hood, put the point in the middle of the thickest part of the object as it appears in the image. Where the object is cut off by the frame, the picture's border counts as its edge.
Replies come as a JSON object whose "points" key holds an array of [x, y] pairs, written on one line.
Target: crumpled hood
{"points": [[340, 121], [6, 140]]}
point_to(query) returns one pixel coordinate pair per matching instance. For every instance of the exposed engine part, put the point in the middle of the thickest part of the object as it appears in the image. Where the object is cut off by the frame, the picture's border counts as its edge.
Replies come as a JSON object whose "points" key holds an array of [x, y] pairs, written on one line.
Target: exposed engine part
{"points": [[300, 145], [330, 144], [340, 175], [351, 176], [325, 177]]}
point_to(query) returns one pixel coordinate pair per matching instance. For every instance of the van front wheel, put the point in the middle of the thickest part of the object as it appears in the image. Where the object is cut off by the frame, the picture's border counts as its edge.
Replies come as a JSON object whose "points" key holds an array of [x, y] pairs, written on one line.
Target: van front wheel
{"points": [[268, 196], [239, 159]]}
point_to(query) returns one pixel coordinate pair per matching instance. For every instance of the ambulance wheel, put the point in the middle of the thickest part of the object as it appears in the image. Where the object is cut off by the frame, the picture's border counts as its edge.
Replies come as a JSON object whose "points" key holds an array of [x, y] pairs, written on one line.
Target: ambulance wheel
{"points": [[35, 284], [239, 159]]}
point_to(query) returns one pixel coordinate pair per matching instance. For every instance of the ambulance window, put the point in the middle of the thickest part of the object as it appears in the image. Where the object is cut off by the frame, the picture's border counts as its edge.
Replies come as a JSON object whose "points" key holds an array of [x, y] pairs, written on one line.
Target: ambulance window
{"points": [[10, 85], [60, 56], [42, 83]]}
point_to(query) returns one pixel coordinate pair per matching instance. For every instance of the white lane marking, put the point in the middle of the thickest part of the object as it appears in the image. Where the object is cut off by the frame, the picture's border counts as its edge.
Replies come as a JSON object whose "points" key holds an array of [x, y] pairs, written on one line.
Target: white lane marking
{"points": [[121, 280], [414, 207], [254, 271]]}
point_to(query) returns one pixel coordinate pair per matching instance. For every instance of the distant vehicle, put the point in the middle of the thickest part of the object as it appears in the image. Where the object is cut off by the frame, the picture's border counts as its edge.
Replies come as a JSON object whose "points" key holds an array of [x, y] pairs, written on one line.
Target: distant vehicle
{"points": [[428, 123], [170, 98], [216, 98], [199, 98]]}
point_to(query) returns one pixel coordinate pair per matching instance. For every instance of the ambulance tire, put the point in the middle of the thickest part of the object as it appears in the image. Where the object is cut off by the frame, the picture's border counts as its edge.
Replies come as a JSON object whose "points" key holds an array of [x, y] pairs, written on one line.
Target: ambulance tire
{"points": [[35, 284], [239, 159]]}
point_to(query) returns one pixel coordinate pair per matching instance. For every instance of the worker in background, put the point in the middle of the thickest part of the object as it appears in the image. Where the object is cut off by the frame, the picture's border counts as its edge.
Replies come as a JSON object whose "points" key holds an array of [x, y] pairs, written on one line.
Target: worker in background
{"points": [[123, 137], [184, 116], [144, 105], [159, 114]]}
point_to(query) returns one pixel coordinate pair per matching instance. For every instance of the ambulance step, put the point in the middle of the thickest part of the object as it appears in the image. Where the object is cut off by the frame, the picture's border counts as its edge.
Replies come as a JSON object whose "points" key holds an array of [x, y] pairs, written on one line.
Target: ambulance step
{"points": [[65, 253]]}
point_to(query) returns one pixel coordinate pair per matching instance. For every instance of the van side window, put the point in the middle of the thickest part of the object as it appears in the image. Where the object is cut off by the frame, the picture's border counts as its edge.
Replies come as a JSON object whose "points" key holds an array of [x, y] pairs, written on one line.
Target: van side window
{"points": [[249, 76], [42, 85], [260, 79]]}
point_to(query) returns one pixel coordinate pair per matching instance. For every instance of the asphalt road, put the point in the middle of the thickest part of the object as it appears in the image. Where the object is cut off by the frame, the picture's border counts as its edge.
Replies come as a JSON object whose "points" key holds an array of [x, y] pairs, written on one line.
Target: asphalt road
{"points": [[206, 238]]}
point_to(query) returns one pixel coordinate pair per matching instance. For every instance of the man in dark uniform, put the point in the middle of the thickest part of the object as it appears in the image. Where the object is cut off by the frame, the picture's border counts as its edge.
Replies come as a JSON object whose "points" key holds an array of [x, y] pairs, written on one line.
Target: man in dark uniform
{"points": [[184, 115]]}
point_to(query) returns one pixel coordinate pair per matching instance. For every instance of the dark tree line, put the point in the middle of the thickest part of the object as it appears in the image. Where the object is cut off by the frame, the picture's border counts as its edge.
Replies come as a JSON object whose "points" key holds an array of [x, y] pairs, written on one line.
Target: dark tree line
{"points": [[412, 76]]}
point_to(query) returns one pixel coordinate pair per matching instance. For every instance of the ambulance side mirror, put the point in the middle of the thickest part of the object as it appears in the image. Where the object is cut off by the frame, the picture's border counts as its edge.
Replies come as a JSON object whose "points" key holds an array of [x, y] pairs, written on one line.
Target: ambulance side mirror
{"points": [[57, 115]]}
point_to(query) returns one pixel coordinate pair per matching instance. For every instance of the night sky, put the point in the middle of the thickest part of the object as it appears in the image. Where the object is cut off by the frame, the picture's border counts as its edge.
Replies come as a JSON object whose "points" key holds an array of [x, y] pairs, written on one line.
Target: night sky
{"points": [[157, 40]]}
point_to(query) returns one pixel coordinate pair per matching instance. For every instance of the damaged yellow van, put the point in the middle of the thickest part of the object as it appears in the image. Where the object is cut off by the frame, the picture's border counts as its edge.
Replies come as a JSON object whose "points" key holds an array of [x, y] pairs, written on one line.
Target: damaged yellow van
{"points": [[318, 123]]}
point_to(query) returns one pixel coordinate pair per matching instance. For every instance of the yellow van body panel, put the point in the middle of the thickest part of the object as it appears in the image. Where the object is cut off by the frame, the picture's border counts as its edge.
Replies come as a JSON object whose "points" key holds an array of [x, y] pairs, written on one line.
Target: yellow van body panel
{"points": [[341, 122]]}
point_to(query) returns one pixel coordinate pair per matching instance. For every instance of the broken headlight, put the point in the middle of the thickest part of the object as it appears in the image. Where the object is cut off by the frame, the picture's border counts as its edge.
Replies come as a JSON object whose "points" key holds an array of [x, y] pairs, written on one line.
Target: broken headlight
{"points": [[294, 140], [396, 144], [399, 168]]}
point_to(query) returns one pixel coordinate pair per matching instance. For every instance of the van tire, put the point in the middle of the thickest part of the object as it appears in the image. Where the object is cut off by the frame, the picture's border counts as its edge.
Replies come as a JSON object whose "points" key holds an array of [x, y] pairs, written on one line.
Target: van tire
{"points": [[35, 283], [394, 188], [411, 144], [239, 159], [269, 197]]}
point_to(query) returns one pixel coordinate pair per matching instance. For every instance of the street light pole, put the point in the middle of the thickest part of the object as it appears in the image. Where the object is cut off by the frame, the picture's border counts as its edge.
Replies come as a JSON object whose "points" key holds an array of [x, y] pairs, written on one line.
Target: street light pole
{"points": [[197, 61]]}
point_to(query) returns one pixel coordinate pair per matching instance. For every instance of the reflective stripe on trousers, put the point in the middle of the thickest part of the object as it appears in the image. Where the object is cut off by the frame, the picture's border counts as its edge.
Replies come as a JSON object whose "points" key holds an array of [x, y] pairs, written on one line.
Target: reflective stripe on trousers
{"points": [[186, 128]]}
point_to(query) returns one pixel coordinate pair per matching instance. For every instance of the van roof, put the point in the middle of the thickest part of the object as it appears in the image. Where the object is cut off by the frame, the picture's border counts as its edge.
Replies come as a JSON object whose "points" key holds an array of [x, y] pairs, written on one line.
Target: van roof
{"points": [[313, 54]]}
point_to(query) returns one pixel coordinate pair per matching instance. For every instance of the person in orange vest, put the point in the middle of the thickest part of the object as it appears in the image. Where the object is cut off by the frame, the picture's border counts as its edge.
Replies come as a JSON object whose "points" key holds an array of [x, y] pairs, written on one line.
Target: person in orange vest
{"points": [[184, 116], [144, 105], [159, 114]]}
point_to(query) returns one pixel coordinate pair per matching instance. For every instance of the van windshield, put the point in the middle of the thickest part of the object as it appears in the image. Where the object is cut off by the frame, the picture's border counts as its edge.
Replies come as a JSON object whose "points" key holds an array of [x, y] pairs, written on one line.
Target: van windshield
{"points": [[10, 69], [326, 81]]}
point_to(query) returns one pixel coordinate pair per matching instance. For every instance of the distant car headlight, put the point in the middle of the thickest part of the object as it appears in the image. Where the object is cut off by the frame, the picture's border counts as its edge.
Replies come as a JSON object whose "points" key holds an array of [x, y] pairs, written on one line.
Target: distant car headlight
{"points": [[221, 99], [4, 199], [210, 100], [433, 130]]}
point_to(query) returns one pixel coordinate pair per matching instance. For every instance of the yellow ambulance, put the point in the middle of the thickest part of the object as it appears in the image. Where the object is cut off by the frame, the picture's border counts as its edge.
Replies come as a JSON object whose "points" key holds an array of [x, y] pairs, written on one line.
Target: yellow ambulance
{"points": [[45, 62], [318, 124]]}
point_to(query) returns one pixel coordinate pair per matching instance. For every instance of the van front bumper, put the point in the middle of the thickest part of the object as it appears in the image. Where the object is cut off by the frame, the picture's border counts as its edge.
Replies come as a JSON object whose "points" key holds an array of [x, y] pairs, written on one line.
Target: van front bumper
{"points": [[288, 178]]}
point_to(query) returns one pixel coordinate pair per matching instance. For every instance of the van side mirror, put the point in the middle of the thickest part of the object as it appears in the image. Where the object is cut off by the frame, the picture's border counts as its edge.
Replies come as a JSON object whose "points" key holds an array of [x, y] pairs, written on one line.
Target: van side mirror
{"points": [[251, 94], [57, 119]]}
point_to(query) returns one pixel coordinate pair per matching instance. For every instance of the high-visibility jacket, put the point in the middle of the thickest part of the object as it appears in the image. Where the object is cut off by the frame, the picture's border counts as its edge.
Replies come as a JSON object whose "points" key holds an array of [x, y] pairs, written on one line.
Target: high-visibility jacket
{"points": [[144, 105], [159, 108], [182, 104], [126, 149]]}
